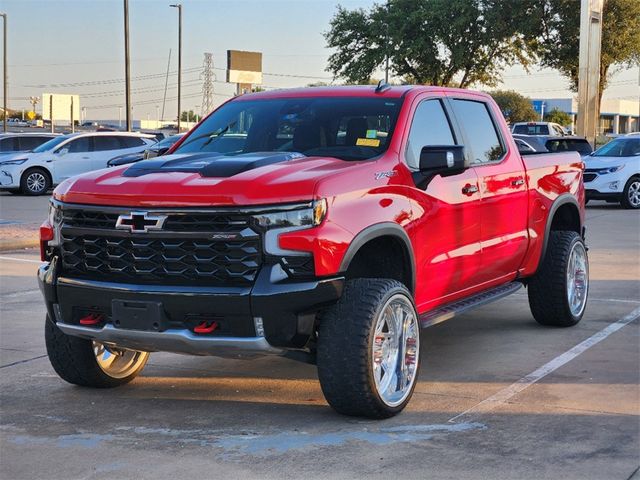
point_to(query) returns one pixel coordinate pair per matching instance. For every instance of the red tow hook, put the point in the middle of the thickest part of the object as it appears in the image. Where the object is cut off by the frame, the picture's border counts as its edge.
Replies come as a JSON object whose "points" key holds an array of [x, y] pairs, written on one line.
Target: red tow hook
{"points": [[92, 319], [205, 327]]}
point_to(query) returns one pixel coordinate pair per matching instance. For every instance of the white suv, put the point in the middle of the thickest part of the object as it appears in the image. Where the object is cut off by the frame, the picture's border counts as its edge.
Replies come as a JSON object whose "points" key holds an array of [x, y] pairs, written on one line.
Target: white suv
{"points": [[33, 173], [538, 128], [612, 172]]}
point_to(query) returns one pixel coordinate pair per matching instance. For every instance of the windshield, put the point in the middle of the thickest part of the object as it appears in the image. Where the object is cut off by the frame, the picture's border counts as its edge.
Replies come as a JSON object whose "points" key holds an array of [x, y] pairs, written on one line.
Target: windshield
{"points": [[50, 145], [348, 128], [620, 147], [167, 142]]}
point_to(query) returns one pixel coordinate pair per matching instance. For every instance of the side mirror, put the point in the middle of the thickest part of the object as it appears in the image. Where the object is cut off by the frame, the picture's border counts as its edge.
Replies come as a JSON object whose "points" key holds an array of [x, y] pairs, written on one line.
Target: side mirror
{"points": [[442, 159], [154, 153], [63, 151]]}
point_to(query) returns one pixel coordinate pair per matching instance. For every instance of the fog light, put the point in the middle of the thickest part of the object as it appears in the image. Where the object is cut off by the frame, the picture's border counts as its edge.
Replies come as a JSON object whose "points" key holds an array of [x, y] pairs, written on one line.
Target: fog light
{"points": [[614, 185], [257, 321]]}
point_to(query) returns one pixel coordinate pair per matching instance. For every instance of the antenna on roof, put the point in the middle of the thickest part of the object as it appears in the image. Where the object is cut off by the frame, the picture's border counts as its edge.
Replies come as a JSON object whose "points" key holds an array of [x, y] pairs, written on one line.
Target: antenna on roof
{"points": [[382, 86]]}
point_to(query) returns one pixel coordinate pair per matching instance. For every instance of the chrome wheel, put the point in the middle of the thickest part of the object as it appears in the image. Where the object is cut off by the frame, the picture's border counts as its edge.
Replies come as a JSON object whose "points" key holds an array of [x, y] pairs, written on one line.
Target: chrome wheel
{"points": [[118, 362], [577, 279], [633, 194], [396, 350], [36, 182]]}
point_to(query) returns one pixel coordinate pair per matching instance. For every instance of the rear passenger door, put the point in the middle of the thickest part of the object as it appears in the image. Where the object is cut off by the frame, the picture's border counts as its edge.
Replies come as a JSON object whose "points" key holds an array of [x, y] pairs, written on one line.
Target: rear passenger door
{"points": [[446, 232], [105, 147], [503, 189]]}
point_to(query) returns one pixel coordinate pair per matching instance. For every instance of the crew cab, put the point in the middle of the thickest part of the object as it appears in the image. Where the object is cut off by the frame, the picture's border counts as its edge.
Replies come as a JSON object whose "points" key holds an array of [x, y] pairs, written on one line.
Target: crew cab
{"points": [[329, 225]]}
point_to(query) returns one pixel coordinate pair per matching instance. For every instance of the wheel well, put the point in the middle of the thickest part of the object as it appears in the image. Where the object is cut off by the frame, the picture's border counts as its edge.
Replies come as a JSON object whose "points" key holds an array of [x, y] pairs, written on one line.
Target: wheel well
{"points": [[382, 257], [566, 217]]}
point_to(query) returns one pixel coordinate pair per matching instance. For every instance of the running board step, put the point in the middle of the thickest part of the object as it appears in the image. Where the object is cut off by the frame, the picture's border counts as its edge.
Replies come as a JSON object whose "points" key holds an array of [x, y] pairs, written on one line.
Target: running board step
{"points": [[452, 309]]}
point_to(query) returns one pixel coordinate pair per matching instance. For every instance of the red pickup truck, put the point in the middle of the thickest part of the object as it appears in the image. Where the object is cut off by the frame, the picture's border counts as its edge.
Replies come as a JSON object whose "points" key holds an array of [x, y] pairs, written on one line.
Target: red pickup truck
{"points": [[324, 224]]}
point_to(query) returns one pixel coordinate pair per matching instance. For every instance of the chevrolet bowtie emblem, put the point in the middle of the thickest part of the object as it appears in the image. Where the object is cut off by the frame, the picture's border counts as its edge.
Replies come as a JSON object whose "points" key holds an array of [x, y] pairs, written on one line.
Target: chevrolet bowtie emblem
{"points": [[140, 222]]}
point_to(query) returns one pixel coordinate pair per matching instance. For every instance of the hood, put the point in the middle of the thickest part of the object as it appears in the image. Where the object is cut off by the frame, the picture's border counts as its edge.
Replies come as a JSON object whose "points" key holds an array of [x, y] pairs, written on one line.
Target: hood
{"points": [[605, 162], [204, 180]]}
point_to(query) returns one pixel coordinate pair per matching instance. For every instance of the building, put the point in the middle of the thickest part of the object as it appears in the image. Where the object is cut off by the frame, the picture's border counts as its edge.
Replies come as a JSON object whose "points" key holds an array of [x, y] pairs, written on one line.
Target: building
{"points": [[616, 115]]}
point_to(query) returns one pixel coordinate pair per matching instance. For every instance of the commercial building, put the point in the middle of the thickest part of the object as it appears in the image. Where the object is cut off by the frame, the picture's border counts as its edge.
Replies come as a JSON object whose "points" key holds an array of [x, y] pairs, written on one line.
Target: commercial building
{"points": [[617, 115]]}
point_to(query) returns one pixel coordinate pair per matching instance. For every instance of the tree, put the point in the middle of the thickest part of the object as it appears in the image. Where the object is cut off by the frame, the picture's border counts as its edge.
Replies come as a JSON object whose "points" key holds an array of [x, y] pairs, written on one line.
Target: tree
{"points": [[558, 116], [515, 107], [560, 38], [440, 42], [188, 116]]}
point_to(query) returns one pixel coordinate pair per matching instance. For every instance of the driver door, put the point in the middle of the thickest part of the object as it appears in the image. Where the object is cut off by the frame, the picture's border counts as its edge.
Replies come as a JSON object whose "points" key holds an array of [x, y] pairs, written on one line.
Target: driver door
{"points": [[446, 229], [72, 158]]}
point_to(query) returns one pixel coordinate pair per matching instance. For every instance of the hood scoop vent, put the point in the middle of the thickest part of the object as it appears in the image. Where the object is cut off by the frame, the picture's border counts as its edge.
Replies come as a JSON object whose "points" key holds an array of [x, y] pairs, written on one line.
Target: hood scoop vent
{"points": [[212, 165]]}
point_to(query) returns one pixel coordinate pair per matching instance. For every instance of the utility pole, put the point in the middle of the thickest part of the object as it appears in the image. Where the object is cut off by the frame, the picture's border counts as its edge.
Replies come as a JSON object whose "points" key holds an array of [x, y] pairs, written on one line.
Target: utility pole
{"points": [[127, 72], [179, 7], [4, 60], [589, 68], [207, 84]]}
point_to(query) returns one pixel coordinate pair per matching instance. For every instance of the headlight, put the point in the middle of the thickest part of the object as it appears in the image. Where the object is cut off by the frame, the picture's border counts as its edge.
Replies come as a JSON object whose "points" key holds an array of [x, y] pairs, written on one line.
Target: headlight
{"points": [[55, 219], [13, 162], [304, 217], [604, 171]]}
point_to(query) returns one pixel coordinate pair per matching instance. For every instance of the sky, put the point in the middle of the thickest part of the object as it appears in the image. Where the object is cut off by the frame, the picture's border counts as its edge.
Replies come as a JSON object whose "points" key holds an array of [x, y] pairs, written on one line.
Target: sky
{"points": [[77, 46]]}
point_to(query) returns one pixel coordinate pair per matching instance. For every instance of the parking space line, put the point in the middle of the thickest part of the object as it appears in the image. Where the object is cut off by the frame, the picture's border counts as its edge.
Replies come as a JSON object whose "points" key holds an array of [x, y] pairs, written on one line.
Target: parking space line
{"points": [[505, 394], [14, 259]]}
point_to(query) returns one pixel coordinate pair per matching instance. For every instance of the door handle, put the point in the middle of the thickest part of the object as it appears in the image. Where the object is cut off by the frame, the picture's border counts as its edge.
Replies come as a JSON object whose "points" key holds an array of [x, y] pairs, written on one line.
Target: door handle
{"points": [[517, 182], [469, 189]]}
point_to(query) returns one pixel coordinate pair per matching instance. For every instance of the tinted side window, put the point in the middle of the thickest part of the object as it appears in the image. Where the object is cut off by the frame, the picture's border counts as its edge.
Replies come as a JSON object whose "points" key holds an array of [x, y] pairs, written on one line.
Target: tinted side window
{"points": [[130, 142], [79, 145], [430, 126], [29, 143], [9, 144], [476, 122], [101, 143]]}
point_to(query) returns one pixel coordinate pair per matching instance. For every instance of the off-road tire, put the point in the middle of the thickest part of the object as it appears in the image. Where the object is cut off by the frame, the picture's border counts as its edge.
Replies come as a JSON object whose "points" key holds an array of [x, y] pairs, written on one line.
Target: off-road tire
{"points": [[344, 352], [625, 200], [74, 360], [547, 289], [42, 174]]}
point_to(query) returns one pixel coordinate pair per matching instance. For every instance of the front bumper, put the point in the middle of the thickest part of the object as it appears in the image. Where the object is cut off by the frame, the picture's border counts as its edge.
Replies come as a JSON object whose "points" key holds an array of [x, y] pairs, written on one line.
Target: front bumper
{"points": [[8, 179], [285, 309]]}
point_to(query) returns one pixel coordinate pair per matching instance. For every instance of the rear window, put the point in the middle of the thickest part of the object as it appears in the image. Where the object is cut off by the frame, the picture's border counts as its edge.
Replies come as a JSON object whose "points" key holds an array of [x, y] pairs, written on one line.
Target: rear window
{"points": [[479, 130], [569, 145], [531, 129]]}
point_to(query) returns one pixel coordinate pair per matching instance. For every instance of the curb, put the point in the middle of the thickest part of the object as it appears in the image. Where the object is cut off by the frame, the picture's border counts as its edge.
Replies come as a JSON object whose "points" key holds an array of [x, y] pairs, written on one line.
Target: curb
{"points": [[18, 244]]}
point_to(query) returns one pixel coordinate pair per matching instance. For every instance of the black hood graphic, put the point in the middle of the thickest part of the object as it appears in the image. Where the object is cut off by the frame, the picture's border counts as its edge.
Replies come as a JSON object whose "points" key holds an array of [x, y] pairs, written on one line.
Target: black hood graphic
{"points": [[209, 164]]}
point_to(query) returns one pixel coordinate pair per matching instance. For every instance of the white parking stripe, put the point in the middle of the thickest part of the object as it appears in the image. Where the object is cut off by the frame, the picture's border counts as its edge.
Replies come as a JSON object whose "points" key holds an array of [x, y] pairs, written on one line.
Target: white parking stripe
{"points": [[504, 395], [14, 259]]}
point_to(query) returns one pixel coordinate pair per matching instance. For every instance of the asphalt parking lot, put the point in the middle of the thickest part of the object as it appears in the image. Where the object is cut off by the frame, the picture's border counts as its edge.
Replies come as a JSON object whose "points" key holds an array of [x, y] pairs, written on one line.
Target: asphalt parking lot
{"points": [[499, 397]]}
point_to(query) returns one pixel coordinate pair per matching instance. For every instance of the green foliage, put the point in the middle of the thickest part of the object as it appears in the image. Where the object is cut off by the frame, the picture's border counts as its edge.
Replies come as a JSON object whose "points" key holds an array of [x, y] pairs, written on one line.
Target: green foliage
{"points": [[560, 37], [558, 116], [439, 42], [515, 107], [189, 116]]}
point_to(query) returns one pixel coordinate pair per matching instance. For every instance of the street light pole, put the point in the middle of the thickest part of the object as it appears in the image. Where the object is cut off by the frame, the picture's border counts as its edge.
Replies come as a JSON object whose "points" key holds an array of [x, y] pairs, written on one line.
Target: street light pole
{"points": [[179, 7], [127, 71], [4, 56]]}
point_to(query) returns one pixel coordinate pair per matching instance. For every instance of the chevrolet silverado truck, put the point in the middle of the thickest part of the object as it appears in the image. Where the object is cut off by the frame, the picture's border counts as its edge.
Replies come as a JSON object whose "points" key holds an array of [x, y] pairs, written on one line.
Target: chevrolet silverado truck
{"points": [[329, 225]]}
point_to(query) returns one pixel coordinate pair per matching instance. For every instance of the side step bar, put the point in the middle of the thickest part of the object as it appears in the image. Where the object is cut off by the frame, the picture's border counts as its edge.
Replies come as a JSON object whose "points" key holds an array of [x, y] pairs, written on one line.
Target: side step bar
{"points": [[450, 310]]}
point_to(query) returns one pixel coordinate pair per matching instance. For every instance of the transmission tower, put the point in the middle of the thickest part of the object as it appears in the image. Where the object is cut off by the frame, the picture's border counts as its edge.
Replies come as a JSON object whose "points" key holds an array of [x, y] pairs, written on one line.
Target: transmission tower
{"points": [[207, 78]]}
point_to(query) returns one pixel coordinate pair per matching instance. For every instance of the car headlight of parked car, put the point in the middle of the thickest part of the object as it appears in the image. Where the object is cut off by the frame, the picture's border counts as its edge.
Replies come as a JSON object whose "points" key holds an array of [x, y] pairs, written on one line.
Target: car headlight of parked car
{"points": [[302, 217], [604, 171], [19, 161]]}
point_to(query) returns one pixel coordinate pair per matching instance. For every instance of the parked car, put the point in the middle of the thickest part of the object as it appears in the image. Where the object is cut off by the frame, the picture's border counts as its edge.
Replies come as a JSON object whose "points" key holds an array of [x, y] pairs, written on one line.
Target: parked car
{"points": [[153, 151], [613, 172], [538, 128], [33, 173], [16, 122], [385, 209], [545, 143], [11, 143]]}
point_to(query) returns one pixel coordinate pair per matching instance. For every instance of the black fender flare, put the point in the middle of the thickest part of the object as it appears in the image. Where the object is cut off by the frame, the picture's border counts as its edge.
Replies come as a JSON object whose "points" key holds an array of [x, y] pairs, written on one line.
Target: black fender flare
{"points": [[562, 200], [383, 229]]}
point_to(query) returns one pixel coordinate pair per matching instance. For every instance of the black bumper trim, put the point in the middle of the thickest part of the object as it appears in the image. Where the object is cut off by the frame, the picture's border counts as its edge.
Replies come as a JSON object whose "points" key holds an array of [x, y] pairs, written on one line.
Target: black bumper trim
{"points": [[287, 308]]}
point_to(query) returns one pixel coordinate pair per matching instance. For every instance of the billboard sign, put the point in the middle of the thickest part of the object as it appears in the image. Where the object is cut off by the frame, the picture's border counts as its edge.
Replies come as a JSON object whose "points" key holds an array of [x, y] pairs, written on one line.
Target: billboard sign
{"points": [[61, 104], [244, 67]]}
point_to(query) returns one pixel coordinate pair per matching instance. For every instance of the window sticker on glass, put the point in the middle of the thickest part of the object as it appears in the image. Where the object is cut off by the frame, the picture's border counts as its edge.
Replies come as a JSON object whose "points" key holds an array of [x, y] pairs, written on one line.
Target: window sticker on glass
{"points": [[372, 134], [368, 142]]}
